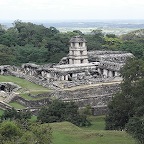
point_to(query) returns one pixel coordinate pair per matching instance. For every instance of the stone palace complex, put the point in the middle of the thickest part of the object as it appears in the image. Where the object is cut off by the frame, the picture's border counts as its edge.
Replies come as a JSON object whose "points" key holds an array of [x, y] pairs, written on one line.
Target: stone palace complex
{"points": [[79, 68]]}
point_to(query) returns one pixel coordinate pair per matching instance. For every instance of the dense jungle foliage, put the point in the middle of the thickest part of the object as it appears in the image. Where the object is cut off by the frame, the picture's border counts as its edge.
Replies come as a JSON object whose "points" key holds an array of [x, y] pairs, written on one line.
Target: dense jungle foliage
{"points": [[28, 42]]}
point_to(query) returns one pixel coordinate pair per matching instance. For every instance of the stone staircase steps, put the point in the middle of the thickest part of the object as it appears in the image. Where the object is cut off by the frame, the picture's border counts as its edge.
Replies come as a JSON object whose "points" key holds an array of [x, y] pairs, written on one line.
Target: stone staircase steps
{"points": [[10, 97], [4, 106]]}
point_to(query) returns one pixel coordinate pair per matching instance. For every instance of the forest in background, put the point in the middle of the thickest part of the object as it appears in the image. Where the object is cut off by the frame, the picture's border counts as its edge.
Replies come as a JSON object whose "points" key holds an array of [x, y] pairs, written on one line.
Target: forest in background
{"points": [[27, 42]]}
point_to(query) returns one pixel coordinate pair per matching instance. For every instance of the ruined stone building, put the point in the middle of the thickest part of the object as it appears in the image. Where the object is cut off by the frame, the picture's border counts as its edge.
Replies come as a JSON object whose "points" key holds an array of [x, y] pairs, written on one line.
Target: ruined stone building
{"points": [[80, 67], [97, 72]]}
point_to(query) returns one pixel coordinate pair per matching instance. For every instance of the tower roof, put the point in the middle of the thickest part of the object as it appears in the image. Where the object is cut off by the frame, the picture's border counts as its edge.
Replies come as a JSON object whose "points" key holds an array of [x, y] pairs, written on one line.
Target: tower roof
{"points": [[77, 39]]}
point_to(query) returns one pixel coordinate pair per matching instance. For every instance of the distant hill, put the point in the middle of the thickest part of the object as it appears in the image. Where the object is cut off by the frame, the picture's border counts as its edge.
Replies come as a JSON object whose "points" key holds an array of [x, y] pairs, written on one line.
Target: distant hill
{"points": [[137, 34]]}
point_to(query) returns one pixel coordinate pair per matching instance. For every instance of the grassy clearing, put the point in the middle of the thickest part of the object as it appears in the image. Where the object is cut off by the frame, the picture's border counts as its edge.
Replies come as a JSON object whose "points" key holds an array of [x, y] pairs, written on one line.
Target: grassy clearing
{"points": [[31, 87], [67, 133], [98, 123], [33, 118], [16, 105], [27, 97], [1, 112]]}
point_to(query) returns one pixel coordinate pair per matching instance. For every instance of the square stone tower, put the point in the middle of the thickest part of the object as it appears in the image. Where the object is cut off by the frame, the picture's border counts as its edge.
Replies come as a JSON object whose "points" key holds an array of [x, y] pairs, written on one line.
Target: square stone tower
{"points": [[78, 50]]}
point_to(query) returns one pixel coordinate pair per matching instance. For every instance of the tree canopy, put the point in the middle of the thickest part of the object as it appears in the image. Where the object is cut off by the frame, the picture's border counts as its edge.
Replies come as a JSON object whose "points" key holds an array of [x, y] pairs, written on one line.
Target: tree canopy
{"points": [[59, 111], [12, 132], [126, 110], [29, 42]]}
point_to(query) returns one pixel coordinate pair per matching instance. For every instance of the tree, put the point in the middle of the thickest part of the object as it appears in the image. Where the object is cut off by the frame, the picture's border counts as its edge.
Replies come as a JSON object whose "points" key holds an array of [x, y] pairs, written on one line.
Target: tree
{"points": [[59, 111], [135, 127], [95, 40], [112, 43], [9, 132], [12, 132], [12, 114], [136, 47], [6, 55], [126, 110], [42, 133]]}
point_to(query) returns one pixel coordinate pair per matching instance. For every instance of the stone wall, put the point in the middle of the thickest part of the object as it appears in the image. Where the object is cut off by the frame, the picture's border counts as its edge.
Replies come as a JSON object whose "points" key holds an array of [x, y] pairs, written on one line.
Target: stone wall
{"points": [[109, 56], [97, 97], [32, 103]]}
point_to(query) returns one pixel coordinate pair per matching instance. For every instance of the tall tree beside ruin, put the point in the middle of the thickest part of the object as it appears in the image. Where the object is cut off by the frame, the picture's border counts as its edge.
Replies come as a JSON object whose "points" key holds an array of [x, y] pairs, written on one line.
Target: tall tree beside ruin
{"points": [[126, 110]]}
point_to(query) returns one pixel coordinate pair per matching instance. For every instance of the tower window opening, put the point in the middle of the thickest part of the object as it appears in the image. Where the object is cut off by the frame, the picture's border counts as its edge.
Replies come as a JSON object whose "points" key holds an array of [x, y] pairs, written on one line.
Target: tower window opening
{"points": [[113, 73], [80, 44], [81, 52], [82, 61]]}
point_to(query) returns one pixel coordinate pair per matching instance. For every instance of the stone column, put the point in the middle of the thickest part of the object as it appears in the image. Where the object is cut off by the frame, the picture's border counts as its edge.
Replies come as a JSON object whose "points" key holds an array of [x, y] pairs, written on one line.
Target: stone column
{"points": [[110, 74], [62, 77], [105, 73], [66, 77], [70, 61], [48, 75], [74, 76], [99, 70], [42, 73], [117, 73]]}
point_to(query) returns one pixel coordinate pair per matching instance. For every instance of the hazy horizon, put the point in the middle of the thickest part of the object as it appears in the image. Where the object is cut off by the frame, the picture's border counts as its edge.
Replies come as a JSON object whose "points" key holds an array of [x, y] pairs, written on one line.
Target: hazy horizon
{"points": [[71, 10], [133, 21]]}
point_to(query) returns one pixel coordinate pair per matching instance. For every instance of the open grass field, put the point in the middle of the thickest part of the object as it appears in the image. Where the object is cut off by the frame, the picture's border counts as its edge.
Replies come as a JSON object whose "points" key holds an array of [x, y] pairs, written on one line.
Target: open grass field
{"points": [[97, 123], [28, 86], [16, 105], [67, 133]]}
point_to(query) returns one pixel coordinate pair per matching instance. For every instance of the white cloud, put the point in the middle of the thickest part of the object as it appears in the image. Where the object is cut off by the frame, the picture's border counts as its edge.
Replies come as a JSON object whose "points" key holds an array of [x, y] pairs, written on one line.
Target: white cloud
{"points": [[71, 9]]}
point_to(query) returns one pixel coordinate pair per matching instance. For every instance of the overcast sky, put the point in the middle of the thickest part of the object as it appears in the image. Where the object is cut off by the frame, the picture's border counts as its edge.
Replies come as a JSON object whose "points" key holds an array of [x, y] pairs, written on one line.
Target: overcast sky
{"points": [[71, 9]]}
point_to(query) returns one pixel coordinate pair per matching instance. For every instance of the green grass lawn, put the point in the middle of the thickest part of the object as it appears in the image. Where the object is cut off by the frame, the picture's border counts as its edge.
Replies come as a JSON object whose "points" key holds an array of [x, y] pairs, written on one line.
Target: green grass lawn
{"points": [[33, 118], [67, 133], [31, 87], [98, 123], [1, 112], [16, 105], [27, 97]]}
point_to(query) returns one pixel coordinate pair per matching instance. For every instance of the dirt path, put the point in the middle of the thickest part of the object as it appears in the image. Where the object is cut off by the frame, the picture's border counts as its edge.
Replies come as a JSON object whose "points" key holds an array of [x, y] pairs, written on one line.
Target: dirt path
{"points": [[92, 85]]}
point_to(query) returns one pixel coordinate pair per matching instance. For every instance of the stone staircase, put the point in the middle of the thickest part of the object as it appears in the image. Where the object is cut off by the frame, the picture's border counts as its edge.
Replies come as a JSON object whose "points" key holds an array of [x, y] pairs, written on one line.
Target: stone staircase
{"points": [[10, 97], [4, 106]]}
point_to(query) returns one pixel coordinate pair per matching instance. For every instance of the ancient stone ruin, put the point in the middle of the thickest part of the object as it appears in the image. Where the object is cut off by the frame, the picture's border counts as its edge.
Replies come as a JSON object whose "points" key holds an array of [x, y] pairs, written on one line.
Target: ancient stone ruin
{"points": [[79, 68]]}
